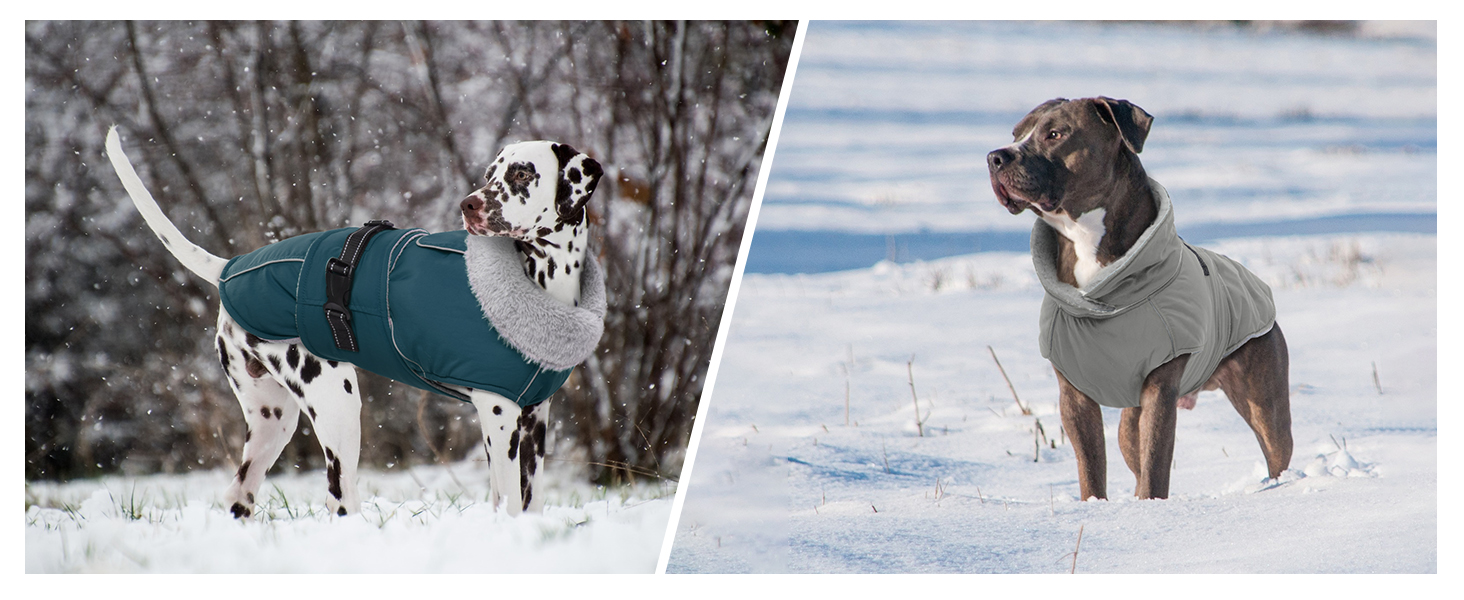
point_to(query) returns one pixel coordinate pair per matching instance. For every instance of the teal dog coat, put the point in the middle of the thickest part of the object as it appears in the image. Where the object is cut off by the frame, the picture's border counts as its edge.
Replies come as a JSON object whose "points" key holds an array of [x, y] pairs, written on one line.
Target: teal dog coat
{"points": [[1161, 299], [428, 310]]}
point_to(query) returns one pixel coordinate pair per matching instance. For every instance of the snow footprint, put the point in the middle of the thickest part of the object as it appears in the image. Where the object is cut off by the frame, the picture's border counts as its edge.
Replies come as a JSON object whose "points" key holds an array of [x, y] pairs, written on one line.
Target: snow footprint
{"points": [[1339, 464]]}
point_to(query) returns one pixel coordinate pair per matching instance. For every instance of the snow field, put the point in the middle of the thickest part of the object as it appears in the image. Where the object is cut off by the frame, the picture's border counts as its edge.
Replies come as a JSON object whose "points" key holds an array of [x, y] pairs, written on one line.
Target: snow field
{"points": [[420, 520], [782, 484]]}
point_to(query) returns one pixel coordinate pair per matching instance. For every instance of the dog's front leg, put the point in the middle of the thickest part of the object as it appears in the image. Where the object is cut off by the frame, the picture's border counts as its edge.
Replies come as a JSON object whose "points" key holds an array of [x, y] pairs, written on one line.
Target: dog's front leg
{"points": [[1083, 421], [515, 439], [1150, 426]]}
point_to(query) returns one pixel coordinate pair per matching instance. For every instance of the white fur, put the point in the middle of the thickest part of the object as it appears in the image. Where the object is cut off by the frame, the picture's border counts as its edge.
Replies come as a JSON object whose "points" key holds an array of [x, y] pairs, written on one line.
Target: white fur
{"points": [[1085, 233], [196, 259]]}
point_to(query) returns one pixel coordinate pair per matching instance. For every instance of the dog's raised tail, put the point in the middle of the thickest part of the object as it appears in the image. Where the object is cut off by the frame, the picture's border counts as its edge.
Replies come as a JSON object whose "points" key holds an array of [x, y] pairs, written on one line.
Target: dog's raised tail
{"points": [[197, 259]]}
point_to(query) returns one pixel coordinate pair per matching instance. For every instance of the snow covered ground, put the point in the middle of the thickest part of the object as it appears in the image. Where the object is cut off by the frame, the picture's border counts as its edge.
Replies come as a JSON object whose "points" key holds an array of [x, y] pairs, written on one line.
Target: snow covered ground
{"points": [[422, 520], [781, 483], [812, 459]]}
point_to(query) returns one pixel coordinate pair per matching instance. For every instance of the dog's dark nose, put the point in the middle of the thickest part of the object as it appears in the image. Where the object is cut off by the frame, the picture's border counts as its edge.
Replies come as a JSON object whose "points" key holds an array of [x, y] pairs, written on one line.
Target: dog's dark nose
{"points": [[999, 157], [472, 204]]}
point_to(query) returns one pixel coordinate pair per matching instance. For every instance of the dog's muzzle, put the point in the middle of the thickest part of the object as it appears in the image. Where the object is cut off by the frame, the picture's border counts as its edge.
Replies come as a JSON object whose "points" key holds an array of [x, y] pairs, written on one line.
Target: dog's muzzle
{"points": [[995, 160]]}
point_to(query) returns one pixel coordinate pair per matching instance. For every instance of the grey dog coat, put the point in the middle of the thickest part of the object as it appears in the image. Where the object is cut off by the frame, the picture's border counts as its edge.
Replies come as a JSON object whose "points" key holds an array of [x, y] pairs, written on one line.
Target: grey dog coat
{"points": [[1161, 299], [429, 310]]}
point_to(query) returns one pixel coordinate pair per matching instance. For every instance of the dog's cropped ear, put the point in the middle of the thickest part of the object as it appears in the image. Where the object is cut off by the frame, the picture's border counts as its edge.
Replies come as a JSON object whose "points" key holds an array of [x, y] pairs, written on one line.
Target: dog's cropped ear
{"points": [[1030, 121], [578, 176], [1132, 122]]}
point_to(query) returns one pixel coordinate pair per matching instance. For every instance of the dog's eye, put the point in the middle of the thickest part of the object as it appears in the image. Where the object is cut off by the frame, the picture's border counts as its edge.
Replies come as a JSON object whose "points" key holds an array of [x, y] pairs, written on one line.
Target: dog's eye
{"points": [[1054, 134]]}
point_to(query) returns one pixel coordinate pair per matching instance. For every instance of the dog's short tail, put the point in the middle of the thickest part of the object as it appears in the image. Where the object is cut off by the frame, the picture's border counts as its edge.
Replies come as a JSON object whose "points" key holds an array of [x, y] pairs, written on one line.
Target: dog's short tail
{"points": [[197, 259]]}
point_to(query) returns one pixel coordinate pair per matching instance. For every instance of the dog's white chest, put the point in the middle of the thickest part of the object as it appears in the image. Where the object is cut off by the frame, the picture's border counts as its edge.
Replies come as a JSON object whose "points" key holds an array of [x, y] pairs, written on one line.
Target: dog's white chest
{"points": [[1085, 233]]}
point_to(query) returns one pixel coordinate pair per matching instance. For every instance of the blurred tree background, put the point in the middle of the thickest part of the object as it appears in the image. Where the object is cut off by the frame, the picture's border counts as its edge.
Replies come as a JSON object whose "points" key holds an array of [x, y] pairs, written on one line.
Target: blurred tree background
{"points": [[252, 132]]}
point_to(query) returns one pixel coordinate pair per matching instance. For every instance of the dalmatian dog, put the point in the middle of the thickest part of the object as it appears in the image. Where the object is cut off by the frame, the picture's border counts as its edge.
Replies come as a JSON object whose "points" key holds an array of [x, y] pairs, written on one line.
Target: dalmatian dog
{"points": [[535, 195]]}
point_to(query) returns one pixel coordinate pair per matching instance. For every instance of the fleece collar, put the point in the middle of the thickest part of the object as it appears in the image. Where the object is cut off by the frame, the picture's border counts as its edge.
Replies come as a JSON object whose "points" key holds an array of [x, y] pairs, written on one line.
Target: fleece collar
{"points": [[1150, 265], [556, 336]]}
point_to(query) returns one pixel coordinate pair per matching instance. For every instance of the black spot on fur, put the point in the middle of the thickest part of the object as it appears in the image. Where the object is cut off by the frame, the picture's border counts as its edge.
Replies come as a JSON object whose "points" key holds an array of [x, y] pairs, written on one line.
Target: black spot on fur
{"points": [[239, 510], [274, 361], [541, 280], [518, 177], [552, 267], [311, 370], [243, 470], [348, 386], [295, 388], [528, 490], [333, 475], [249, 497], [341, 511], [333, 364], [247, 433], [311, 410], [329, 455], [540, 432], [574, 175], [278, 413], [563, 153], [498, 410], [264, 411], [251, 339], [223, 354], [513, 445], [544, 231], [292, 356], [254, 368]]}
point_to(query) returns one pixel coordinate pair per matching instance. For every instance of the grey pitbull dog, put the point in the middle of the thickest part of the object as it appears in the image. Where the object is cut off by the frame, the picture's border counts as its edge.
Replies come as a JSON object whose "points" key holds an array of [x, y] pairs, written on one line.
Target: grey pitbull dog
{"points": [[1105, 233]]}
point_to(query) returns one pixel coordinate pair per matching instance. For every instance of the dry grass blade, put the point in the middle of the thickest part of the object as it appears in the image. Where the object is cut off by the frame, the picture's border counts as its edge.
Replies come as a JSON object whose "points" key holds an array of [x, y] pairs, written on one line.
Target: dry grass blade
{"points": [[910, 369], [1077, 547], [1025, 410]]}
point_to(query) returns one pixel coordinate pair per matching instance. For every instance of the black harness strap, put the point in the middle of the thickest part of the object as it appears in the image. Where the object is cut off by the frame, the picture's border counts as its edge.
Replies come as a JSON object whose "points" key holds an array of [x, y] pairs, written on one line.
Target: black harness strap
{"points": [[339, 274]]}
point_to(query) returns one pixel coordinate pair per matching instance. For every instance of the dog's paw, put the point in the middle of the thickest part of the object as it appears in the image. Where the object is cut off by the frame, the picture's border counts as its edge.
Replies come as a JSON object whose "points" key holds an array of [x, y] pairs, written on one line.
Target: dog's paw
{"points": [[240, 511], [1268, 483]]}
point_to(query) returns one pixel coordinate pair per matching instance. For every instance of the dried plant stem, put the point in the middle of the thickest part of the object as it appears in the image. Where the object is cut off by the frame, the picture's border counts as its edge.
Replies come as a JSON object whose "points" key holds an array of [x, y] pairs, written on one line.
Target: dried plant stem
{"points": [[1075, 550], [1377, 382], [1025, 410], [919, 424]]}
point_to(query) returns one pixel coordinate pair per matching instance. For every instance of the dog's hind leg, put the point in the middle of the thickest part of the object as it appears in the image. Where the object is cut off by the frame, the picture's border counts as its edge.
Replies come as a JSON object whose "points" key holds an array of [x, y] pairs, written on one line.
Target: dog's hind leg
{"points": [[514, 438], [331, 398], [270, 416], [1256, 380]]}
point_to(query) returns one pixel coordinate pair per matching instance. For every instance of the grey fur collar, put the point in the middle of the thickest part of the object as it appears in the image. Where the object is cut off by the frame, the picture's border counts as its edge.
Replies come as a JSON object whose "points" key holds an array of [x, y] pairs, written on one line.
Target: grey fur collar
{"points": [[1147, 267], [546, 331]]}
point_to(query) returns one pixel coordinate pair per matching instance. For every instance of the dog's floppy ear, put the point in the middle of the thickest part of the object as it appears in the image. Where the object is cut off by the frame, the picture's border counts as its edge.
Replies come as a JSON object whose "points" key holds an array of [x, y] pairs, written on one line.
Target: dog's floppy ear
{"points": [[1030, 120], [1132, 122], [578, 176]]}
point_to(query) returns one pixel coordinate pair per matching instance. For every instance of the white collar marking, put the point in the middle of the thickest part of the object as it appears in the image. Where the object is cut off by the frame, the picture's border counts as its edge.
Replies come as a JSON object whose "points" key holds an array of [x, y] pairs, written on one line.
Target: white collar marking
{"points": [[1085, 233]]}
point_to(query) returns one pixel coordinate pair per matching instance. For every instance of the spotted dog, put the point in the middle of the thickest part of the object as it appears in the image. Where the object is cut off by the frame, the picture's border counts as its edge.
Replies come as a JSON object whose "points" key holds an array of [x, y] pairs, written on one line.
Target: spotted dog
{"points": [[535, 196]]}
